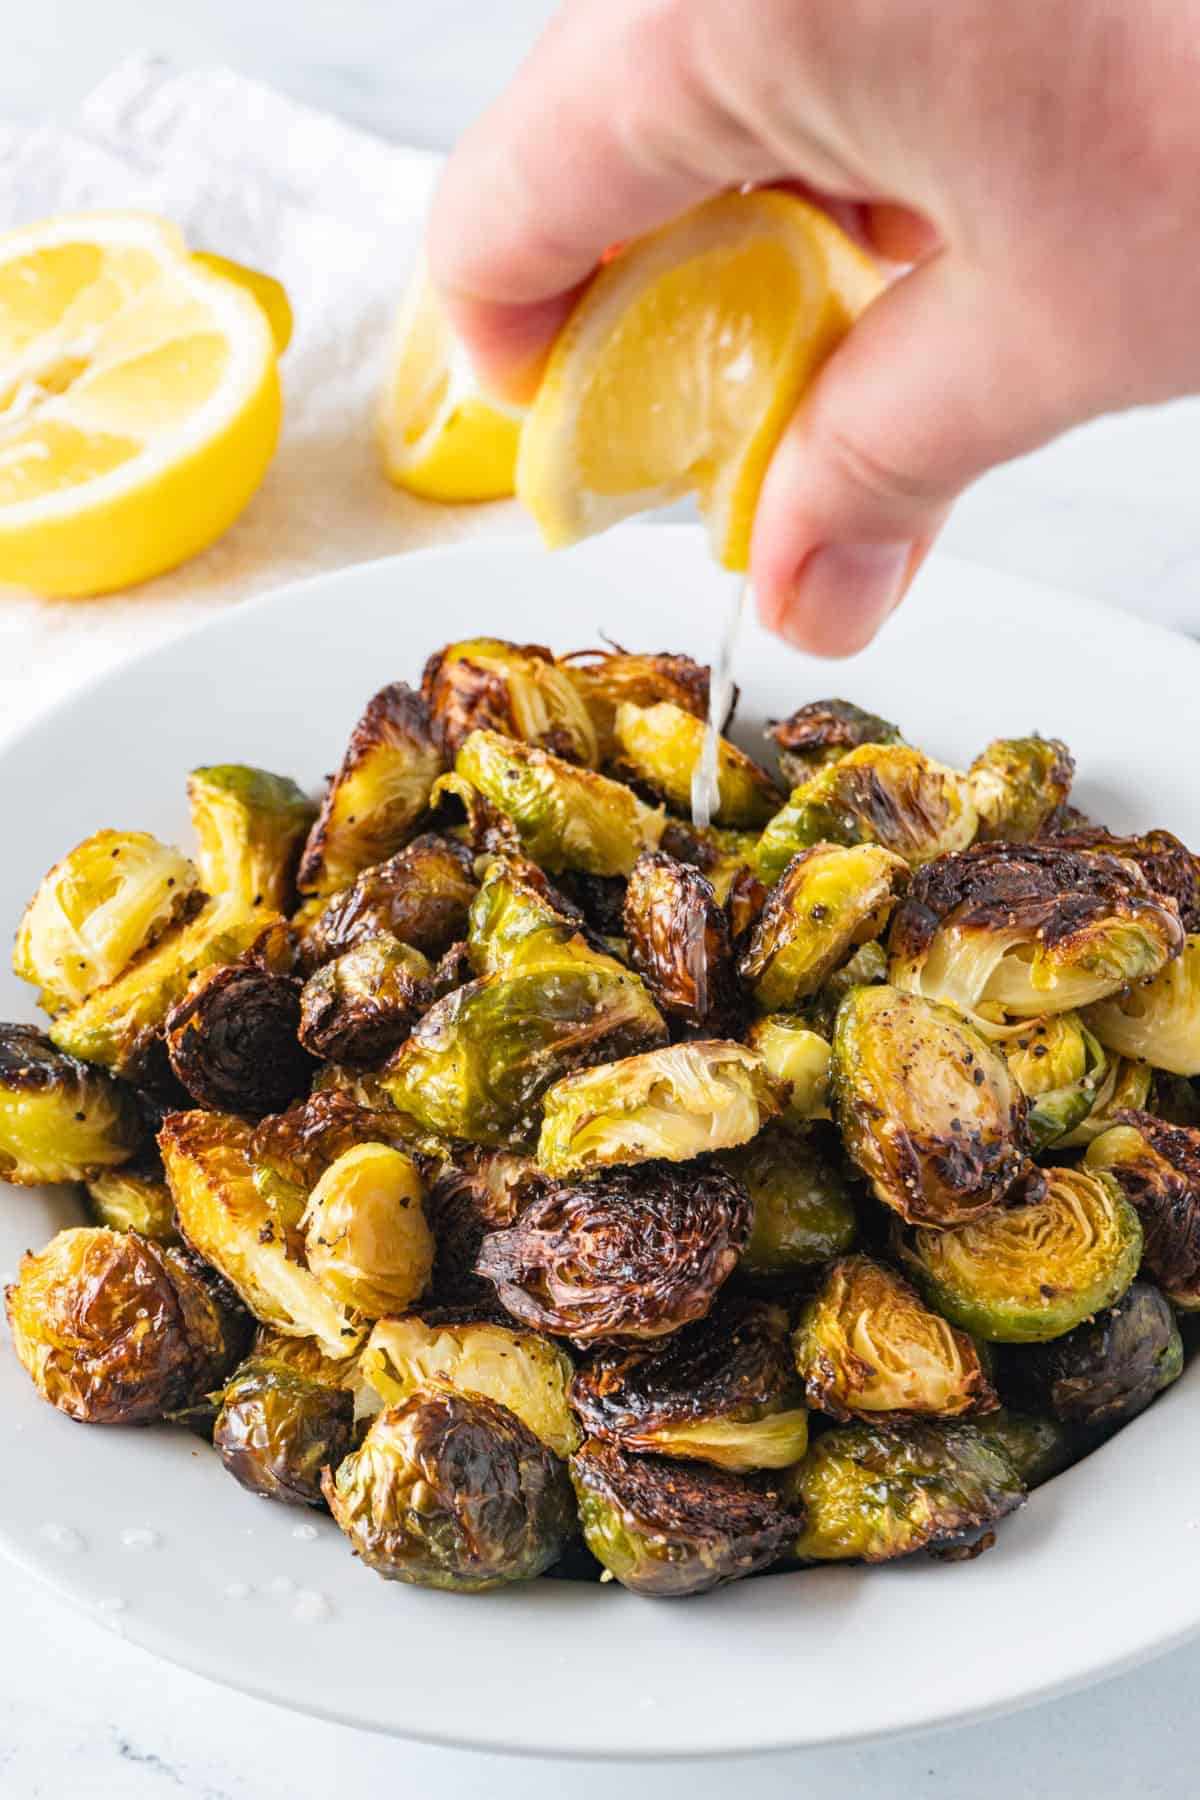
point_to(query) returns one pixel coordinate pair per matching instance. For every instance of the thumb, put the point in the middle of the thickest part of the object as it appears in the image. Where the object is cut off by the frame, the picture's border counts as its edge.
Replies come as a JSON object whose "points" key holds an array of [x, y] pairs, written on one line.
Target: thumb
{"points": [[940, 379]]}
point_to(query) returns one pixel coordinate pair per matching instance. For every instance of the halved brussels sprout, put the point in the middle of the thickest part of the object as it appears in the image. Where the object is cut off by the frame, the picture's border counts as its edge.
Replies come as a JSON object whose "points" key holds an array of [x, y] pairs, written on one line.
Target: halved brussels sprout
{"points": [[1038, 1448], [518, 1369], [722, 1391], [1157, 1168], [1063, 1248], [876, 1492], [928, 1109], [828, 901], [1108, 1369], [670, 1528], [366, 1236], [797, 1058], [1060, 1068], [1018, 785], [607, 678], [452, 1491], [233, 1041], [134, 1197], [866, 968], [60, 1119], [518, 689], [566, 817], [1157, 1020], [868, 1348], [517, 917], [96, 910], [1028, 929], [1175, 1098], [421, 896], [803, 1208], [115, 1329], [727, 859], [1125, 1087], [291, 1150], [821, 733], [481, 1191], [305, 1355], [278, 1427], [659, 747], [378, 795], [1169, 866], [680, 944], [362, 1005], [623, 1260], [672, 1104], [878, 794], [249, 827], [226, 1219]]}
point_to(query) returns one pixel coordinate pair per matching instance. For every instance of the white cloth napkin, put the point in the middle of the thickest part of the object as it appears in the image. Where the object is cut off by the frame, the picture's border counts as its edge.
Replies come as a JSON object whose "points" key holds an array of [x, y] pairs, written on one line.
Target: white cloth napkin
{"points": [[336, 214]]}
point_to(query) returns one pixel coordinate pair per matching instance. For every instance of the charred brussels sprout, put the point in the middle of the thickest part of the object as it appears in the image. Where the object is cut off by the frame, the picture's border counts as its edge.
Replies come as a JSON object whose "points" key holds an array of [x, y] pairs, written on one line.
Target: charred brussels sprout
{"points": [[96, 910], [378, 795], [798, 1059], [520, 1370], [362, 1005], [1028, 930], [278, 1428], [1063, 1248], [727, 859], [680, 944], [421, 896], [290, 1151], [114, 1329], [821, 733], [1037, 1447], [928, 1109], [233, 1041], [368, 1241], [135, 1197], [249, 826], [722, 1391], [1105, 1371], [803, 1207], [305, 1355], [567, 818], [628, 1258], [1018, 785], [877, 794], [60, 1120], [1157, 1168], [876, 1492], [452, 1491], [605, 679], [517, 689], [483, 1192], [868, 1348], [671, 1104], [670, 1528], [1060, 1068], [1169, 866], [827, 902], [1157, 1020], [659, 747]]}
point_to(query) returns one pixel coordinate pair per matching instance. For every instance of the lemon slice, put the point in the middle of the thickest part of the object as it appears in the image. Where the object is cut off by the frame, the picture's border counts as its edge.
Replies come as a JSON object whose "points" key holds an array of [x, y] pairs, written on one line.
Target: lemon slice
{"points": [[681, 364], [441, 437], [139, 401]]}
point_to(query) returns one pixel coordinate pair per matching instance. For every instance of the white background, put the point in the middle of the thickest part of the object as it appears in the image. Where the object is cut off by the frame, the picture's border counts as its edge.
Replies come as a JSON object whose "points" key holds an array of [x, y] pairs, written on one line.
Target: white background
{"points": [[1111, 512]]}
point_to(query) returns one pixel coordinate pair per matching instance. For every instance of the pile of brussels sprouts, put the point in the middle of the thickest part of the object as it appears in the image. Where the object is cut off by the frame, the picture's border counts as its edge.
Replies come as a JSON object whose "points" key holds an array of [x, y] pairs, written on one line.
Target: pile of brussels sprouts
{"points": [[540, 1183]]}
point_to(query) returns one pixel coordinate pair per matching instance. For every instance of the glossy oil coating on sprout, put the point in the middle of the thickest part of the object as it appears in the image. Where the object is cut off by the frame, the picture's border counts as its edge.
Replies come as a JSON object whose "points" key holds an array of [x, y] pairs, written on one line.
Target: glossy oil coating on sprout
{"points": [[278, 1427], [797, 1057], [1018, 785], [1105, 1371], [1157, 1168], [1168, 865], [827, 902], [519, 690], [680, 944], [60, 1119], [822, 732], [606, 678], [658, 747], [362, 1005], [367, 1239], [134, 1197], [233, 1041], [1157, 1020], [420, 896]]}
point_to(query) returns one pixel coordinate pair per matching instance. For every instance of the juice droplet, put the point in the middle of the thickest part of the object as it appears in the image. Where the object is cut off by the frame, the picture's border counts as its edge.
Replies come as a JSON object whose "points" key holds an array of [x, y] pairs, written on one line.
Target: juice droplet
{"points": [[63, 1537], [310, 1608], [706, 791], [141, 1537]]}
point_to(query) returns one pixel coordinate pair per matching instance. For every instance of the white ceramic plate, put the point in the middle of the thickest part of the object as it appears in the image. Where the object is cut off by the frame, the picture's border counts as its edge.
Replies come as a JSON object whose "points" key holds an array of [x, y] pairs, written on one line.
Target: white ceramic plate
{"points": [[1101, 1568]]}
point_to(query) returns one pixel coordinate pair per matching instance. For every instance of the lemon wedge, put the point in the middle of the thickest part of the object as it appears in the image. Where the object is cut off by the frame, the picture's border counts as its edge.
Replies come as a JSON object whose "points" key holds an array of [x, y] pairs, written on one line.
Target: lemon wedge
{"points": [[441, 437], [139, 400], [682, 362]]}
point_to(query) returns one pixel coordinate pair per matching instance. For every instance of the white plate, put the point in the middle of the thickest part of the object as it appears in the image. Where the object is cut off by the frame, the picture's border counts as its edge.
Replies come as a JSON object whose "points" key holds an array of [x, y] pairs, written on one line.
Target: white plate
{"points": [[1101, 1568]]}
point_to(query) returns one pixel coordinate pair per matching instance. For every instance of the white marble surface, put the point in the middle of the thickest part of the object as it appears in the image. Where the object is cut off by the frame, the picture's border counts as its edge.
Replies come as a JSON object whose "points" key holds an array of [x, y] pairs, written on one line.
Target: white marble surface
{"points": [[1111, 512]]}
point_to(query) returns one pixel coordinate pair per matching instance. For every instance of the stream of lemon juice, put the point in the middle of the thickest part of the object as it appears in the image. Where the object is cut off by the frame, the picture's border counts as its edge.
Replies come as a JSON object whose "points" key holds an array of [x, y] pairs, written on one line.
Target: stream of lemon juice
{"points": [[705, 788]]}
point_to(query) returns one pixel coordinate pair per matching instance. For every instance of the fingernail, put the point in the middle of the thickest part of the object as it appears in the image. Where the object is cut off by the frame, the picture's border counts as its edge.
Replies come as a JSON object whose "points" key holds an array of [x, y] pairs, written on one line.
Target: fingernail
{"points": [[843, 594]]}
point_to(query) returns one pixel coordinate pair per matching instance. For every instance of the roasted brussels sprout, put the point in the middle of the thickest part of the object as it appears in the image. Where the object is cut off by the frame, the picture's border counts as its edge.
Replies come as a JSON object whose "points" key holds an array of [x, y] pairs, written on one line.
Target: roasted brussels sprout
{"points": [[624, 1259], [821, 733], [1105, 1371], [658, 748], [1027, 929], [278, 1428], [1168, 865], [229, 1222], [606, 679], [1124, 1087], [1060, 1068], [115, 1329], [362, 1005], [517, 689], [876, 1492], [60, 1120], [135, 1197], [305, 1355], [928, 1109], [727, 858], [452, 1491], [866, 968], [827, 902], [567, 818], [517, 917], [249, 827], [722, 1391], [1157, 1168], [878, 794], [803, 1208], [421, 896], [1157, 1020], [482, 1192], [518, 1369], [868, 1348], [233, 1041], [1018, 785], [378, 795], [96, 910], [1037, 1447], [1063, 1248], [291, 1150], [671, 1104], [670, 1528], [680, 944], [367, 1239], [798, 1059]]}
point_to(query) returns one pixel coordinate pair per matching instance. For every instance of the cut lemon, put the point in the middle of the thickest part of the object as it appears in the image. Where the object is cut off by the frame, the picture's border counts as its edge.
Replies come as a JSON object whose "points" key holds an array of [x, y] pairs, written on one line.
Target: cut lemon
{"points": [[681, 364], [441, 437], [139, 401]]}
